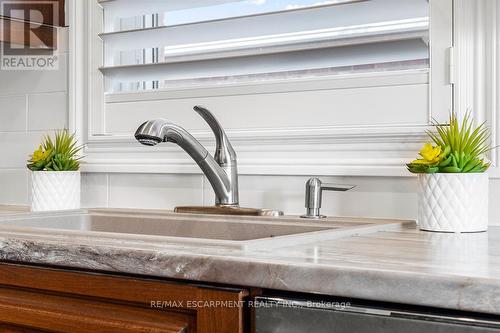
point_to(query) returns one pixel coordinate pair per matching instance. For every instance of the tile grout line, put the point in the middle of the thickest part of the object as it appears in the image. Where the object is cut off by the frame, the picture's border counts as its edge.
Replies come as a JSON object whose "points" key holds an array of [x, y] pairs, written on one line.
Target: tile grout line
{"points": [[26, 130], [26, 112], [32, 93], [28, 188], [107, 190], [202, 190]]}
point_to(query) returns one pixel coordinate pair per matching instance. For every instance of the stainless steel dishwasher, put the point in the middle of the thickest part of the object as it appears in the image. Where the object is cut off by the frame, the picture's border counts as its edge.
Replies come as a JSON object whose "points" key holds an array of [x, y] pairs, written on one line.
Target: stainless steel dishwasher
{"points": [[280, 315]]}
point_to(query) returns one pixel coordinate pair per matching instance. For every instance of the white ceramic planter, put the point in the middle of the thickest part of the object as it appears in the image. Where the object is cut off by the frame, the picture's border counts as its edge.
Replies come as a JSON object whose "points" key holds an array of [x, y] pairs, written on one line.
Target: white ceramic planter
{"points": [[453, 202], [55, 190]]}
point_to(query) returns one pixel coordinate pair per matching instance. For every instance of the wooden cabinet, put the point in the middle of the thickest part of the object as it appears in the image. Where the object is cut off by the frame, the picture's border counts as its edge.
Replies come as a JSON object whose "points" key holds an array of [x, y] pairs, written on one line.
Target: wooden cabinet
{"points": [[34, 299]]}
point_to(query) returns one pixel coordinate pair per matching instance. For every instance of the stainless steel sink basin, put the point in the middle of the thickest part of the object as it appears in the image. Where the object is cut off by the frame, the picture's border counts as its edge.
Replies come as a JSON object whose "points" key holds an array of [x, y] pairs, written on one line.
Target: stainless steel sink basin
{"points": [[189, 229]]}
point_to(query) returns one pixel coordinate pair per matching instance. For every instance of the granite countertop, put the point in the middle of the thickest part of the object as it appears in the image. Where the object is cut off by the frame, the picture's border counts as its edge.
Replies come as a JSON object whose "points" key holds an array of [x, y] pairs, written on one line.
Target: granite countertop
{"points": [[402, 265]]}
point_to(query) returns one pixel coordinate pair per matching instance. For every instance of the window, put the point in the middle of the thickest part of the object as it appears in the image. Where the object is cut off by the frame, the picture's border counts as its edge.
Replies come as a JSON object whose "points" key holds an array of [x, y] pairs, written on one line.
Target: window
{"points": [[301, 86], [161, 44]]}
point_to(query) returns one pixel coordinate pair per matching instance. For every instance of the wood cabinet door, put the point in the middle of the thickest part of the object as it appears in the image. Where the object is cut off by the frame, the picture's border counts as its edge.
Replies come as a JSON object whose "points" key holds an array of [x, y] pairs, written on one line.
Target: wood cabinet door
{"points": [[54, 300]]}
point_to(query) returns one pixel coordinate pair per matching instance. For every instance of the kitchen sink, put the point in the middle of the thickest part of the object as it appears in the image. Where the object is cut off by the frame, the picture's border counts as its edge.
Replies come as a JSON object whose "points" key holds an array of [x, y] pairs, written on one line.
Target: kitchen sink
{"points": [[239, 232]]}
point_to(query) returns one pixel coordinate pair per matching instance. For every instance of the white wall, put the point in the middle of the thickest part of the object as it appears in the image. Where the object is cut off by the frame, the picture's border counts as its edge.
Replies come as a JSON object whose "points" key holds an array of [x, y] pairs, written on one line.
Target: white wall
{"points": [[373, 196], [32, 103], [390, 197]]}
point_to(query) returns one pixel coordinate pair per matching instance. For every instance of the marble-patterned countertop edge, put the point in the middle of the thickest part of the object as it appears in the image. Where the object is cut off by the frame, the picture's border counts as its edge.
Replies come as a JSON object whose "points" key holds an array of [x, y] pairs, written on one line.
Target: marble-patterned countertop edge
{"points": [[13, 209], [256, 269]]}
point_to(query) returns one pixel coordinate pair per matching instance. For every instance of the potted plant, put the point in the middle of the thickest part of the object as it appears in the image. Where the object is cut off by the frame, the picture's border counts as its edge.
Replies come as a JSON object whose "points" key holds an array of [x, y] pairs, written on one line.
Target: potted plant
{"points": [[453, 185], [55, 176]]}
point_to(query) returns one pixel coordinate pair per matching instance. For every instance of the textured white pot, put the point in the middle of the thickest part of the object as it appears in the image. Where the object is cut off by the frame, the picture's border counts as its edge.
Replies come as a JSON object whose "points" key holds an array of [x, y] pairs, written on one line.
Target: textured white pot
{"points": [[55, 190], [453, 202]]}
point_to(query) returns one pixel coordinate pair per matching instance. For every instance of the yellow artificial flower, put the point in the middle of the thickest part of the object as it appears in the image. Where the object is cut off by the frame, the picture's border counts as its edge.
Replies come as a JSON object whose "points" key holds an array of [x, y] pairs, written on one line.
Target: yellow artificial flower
{"points": [[39, 155], [421, 162], [430, 153]]}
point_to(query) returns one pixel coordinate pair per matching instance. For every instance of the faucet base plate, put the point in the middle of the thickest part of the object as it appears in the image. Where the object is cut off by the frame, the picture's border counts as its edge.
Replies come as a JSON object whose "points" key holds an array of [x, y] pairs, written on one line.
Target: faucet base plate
{"points": [[227, 210]]}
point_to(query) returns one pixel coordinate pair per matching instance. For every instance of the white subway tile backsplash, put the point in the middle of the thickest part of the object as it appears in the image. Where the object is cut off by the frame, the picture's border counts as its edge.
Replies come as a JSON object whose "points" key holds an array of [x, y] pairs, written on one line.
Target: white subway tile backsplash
{"points": [[31, 103], [47, 111], [16, 148], [390, 197], [14, 189], [36, 81], [158, 191], [383, 204], [94, 190], [375, 197], [493, 207], [13, 113], [284, 193]]}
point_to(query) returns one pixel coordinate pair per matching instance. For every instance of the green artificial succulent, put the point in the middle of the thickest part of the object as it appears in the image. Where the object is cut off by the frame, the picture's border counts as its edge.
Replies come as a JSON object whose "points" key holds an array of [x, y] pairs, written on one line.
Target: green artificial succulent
{"points": [[458, 148], [58, 154]]}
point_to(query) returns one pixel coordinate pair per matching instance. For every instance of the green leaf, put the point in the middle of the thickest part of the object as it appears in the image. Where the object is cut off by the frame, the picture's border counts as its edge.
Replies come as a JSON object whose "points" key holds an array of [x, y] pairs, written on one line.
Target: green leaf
{"points": [[445, 162], [454, 160], [462, 143], [451, 169], [471, 164], [432, 170], [60, 153]]}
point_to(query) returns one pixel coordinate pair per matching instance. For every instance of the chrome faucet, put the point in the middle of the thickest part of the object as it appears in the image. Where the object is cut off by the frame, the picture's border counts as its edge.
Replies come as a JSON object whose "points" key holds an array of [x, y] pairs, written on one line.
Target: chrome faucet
{"points": [[221, 170]]}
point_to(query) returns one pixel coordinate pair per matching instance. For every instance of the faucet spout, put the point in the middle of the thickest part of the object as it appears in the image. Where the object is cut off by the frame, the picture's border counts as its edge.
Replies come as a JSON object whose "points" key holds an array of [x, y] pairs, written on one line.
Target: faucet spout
{"points": [[221, 170]]}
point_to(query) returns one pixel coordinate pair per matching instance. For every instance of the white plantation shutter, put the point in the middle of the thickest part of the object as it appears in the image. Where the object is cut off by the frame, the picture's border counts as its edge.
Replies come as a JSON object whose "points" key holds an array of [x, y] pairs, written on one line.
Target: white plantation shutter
{"points": [[155, 45]]}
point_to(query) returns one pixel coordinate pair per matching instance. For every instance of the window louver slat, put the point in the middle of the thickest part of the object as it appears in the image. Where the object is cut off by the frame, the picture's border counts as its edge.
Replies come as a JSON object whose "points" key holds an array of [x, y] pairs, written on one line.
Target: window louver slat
{"points": [[161, 44]]}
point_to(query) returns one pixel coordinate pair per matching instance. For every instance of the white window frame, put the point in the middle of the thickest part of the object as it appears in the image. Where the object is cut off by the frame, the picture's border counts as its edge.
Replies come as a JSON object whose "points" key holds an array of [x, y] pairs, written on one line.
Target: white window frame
{"points": [[476, 59], [344, 150]]}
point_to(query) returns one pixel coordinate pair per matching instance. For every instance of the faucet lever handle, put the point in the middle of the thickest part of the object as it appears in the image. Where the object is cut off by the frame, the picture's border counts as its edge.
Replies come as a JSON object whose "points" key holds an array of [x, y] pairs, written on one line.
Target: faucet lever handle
{"points": [[224, 152]]}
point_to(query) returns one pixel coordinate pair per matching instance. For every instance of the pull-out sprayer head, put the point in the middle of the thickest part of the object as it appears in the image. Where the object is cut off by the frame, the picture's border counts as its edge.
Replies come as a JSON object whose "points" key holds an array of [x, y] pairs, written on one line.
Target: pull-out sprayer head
{"points": [[147, 141], [149, 133]]}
